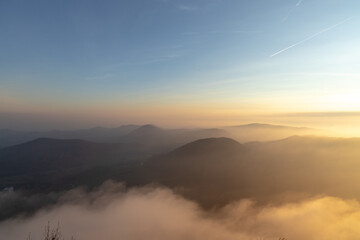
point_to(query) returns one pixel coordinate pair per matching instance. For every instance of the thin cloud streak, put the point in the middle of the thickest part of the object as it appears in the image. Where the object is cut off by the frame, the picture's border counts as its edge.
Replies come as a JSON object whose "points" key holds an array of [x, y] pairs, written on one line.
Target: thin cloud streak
{"points": [[292, 9], [323, 114], [187, 8], [312, 36], [299, 3]]}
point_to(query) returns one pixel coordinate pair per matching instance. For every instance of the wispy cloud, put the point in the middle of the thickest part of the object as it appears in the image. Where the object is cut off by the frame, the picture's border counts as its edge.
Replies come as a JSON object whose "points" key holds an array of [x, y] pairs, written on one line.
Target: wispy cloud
{"points": [[163, 58], [299, 3], [327, 74], [214, 32], [101, 77], [136, 61], [187, 8], [190, 33], [311, 37], [324, 114], [292, 9]]}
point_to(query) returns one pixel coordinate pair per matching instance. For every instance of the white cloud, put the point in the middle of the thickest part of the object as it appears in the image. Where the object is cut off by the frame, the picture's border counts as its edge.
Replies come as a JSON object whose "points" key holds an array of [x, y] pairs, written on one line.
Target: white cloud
{"points": [[158, 213]]}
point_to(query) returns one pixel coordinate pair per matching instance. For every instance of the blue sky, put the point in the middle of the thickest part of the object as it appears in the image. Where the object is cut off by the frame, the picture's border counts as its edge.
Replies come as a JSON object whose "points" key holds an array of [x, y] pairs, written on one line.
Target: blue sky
{"points": [[105, 56]]}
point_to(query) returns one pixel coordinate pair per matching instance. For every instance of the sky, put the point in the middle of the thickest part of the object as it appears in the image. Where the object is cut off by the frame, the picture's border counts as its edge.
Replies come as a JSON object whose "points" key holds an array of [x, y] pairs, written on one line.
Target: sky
{"points": [[72, 63]]}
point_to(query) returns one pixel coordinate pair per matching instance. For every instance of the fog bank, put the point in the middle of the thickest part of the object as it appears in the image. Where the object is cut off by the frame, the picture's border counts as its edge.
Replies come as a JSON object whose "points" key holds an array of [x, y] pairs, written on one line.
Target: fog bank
{"points": [[111, 213]]}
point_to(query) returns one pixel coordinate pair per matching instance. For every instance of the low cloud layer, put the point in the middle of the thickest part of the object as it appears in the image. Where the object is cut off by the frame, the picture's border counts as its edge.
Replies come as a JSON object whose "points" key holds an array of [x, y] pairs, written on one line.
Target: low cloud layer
{"points": [[111, 213]]}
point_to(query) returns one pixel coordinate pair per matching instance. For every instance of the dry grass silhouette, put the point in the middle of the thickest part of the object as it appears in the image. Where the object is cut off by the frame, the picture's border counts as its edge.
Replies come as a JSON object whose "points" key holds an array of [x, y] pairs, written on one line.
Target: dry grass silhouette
{"points": [[55, 234], [50, 233]]}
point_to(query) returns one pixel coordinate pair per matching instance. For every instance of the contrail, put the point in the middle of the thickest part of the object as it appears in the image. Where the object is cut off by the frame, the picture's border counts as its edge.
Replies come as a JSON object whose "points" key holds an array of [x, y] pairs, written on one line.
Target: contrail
{"points": [[312, 36]]}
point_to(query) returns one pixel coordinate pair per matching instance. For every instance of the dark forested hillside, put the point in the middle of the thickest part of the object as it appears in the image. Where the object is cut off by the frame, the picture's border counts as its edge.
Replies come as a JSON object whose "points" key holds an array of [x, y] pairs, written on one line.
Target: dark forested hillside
{"points": [[212, 171]]}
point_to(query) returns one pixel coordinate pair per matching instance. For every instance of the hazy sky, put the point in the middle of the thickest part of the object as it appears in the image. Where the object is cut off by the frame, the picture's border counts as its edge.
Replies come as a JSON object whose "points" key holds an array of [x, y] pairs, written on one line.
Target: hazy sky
{"points": [[175, 62]]}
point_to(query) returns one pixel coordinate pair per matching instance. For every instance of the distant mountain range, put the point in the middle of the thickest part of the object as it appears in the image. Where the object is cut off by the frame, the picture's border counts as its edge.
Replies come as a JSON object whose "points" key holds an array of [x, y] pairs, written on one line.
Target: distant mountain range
{"points": [[160, 137], [145, 135], [268, 132], [217, 171], [212, 171], [55, 154], [202, 165], [44, 163], [97, 134], [270, 126]]}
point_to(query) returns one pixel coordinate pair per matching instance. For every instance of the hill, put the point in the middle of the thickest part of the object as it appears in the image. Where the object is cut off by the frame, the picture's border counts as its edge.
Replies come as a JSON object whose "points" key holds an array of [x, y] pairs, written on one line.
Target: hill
{"points": [[168, 139], [201, 169], [44, 163], [146, 135], [97, 134], [271, 171], [211, 171]]}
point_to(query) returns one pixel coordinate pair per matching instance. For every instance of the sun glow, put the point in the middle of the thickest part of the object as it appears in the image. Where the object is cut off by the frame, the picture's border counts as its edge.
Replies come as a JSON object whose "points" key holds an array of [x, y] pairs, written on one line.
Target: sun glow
{"points": [[344, 101]]}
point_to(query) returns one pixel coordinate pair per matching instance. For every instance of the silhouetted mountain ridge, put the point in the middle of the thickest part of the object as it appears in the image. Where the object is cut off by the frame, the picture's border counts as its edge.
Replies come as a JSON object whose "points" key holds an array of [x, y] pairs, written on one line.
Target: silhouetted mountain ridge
{"points": [[207, 146], [270, 126], [268, 132], [168, 139], [150, 135], [211, 171], [97, 134], [50, 154]]}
